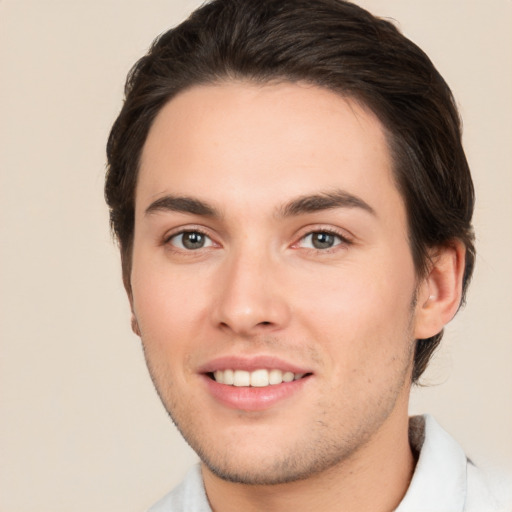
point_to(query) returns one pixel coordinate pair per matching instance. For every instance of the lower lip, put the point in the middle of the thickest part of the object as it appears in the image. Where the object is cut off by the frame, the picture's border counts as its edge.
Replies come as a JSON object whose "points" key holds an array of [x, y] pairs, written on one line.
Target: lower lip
{"points": [[253, 398]]}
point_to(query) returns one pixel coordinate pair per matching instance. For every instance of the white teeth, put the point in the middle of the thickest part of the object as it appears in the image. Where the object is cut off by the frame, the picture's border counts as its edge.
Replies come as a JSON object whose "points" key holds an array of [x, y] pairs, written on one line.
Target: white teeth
{"points": [[275, 377], [288, 376], [241, 378], [229, 377], [258, 378]]}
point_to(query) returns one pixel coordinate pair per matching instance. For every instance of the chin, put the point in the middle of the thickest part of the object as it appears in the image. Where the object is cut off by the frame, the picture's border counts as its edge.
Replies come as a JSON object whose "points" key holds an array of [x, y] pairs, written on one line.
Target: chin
{"points": [[267, 463]]}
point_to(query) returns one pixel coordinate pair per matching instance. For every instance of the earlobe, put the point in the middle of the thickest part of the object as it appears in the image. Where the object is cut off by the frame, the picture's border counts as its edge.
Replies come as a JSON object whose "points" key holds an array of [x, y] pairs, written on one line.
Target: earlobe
{"points": [[135, 325], [128, 288], [440, 293]]}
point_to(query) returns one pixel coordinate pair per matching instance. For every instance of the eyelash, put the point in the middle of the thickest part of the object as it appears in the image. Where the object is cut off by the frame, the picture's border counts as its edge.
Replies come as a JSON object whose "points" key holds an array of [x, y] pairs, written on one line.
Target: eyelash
{"points": [[168, 239], [342, 240]]}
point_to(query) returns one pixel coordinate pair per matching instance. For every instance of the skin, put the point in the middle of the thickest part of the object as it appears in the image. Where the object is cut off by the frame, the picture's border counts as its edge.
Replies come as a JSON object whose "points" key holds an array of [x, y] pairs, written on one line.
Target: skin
{"points": [[349, 312]]}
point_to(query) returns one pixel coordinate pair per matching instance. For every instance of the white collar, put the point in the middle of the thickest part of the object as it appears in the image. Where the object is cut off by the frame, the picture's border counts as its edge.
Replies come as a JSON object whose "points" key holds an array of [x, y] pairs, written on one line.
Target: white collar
{"points": [[439, 482]]}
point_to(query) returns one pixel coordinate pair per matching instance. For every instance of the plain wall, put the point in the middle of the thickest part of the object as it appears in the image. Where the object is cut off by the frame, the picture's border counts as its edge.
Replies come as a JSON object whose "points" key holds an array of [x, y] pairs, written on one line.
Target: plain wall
{"points": [[81, 427]]}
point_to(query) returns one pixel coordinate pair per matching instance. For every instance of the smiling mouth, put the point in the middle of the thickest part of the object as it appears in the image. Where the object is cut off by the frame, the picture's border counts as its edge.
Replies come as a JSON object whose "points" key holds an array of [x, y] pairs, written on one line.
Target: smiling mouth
{"points": [[257, 378]]}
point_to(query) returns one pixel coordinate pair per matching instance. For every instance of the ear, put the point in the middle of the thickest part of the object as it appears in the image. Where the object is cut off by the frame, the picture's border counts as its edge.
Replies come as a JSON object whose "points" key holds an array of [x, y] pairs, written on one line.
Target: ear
{"points": [[126, 266], [135, 325], [134, 322], [440, 292]]}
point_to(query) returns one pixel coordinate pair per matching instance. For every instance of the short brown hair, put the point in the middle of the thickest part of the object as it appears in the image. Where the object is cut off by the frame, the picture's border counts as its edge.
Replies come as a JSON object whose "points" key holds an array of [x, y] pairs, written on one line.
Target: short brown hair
{"points": [[333, 44]]}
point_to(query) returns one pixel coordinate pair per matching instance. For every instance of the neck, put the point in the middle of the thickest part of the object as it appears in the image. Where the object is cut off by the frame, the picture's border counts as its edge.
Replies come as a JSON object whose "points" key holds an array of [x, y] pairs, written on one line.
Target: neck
{"points": [[374, 479]]}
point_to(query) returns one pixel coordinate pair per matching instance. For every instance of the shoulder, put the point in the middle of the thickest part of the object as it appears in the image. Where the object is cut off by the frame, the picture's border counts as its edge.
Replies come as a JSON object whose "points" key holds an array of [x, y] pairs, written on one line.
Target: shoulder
{"points": [[445, 479], [488, 489], [187, 496]]}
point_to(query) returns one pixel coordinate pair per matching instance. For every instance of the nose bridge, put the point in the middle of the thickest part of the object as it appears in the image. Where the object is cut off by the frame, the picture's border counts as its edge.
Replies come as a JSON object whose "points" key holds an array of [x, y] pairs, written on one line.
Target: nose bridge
{"points": [[249, 297]]}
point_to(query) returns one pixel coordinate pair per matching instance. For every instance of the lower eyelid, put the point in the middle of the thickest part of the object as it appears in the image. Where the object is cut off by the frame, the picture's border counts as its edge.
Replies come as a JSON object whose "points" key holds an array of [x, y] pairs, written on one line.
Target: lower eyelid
{"points": [[341, 239], [168, 239]]}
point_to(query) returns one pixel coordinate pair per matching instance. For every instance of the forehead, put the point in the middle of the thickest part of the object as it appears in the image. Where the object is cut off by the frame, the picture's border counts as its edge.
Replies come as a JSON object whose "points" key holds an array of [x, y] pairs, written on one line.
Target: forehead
{"points": [[244, 143]]}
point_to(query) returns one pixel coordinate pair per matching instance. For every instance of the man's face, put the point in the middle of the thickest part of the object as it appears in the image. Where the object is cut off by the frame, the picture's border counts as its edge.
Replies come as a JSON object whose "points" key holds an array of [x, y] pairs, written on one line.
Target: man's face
{"points": [[271, 243]]}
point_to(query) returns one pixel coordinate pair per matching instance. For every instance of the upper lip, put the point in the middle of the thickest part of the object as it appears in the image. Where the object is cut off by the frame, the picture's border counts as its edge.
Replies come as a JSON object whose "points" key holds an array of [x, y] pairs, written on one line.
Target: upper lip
{"points": [[236, 362]]}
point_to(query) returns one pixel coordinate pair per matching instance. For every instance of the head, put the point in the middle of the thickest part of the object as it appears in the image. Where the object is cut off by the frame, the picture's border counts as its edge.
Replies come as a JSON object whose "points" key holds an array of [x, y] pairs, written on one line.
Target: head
{"points": [[335, 45], [339, 307], [238, 75]]}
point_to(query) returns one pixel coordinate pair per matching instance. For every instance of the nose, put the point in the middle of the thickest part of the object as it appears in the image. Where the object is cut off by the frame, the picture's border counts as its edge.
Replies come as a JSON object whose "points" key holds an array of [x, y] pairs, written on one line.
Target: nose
{"points": [[251, 296]]}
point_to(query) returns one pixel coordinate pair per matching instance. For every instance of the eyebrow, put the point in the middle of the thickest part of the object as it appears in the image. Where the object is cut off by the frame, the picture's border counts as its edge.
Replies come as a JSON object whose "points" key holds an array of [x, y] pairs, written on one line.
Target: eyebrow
{"points": [[324, 201], [182, 204], [304, 204]]}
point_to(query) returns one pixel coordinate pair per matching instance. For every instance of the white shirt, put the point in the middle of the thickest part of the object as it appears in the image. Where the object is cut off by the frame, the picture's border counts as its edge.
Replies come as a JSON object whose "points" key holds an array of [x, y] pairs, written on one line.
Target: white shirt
{"points": [[444, 479]]}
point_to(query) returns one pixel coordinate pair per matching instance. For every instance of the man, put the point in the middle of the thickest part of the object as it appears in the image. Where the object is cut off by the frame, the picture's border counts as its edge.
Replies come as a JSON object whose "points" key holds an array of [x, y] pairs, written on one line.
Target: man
{"points": [[293, 204]]}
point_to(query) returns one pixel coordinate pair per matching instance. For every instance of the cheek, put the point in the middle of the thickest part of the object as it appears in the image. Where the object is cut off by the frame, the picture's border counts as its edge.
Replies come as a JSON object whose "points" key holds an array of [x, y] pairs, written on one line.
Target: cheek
{"points": [[351, 296], [168, 306], [168, 314], [363, 313]]}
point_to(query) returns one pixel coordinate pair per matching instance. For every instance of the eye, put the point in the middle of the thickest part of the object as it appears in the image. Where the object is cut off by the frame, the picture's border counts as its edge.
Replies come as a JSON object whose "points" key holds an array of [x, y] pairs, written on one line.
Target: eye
{"points": [[321, 240], [190, 240]]}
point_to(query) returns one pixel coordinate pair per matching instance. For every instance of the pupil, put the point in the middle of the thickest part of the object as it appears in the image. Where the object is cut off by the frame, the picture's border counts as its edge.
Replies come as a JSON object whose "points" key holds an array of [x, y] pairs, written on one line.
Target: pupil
{"points": [[322, 240], [193, 240]]}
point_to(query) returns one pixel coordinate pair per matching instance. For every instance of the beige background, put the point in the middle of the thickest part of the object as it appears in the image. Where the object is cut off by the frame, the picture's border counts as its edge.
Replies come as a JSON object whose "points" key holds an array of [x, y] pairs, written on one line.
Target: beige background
{"points": [[81, 427]]}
